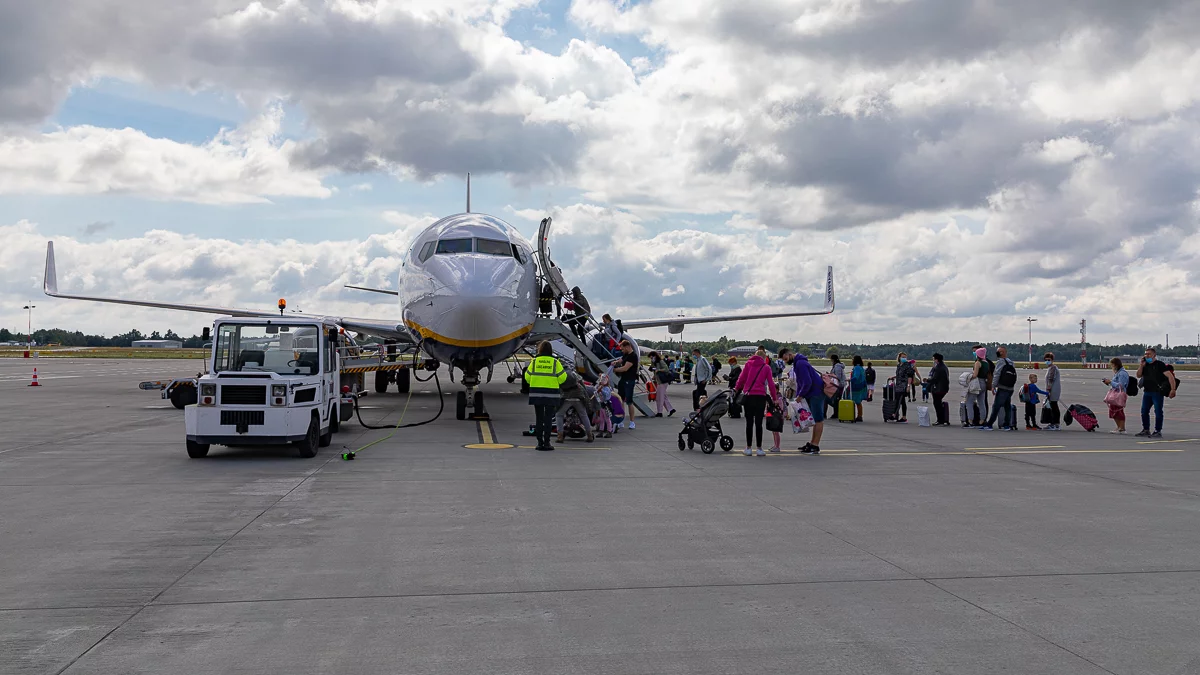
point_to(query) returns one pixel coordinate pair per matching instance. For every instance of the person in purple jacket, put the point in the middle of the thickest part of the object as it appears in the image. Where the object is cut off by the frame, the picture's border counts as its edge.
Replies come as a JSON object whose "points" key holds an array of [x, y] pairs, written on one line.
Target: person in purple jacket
{"points": [[756, 384], [810, 388]]}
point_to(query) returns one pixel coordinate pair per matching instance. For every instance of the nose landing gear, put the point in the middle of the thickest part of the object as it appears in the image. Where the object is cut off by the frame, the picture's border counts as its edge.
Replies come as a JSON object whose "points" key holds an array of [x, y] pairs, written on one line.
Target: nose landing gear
{"points": [[470, 400]]}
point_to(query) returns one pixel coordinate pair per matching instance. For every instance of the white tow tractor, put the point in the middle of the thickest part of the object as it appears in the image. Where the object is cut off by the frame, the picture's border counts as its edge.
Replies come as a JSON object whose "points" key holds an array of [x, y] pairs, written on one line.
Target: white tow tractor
{"points": [[272, 381]]}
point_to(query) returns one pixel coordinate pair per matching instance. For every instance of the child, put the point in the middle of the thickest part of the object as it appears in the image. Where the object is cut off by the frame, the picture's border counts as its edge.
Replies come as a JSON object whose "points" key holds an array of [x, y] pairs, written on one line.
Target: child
{"points": [[925, 389], [1029, 394]]}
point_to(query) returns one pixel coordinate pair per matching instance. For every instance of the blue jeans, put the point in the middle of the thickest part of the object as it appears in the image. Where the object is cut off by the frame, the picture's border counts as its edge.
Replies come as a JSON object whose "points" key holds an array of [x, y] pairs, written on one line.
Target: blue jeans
{"points": [[1002, 403], [1148, 399]]}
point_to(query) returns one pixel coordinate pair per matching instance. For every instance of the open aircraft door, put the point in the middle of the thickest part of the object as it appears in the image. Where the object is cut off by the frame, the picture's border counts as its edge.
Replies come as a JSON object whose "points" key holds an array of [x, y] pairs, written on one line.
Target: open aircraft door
{"points": [[549, 270]]}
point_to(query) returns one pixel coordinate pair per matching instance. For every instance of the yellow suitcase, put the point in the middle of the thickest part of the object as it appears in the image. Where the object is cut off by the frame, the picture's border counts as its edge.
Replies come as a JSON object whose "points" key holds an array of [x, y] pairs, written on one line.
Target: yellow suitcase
{"points": [[845, 410]]}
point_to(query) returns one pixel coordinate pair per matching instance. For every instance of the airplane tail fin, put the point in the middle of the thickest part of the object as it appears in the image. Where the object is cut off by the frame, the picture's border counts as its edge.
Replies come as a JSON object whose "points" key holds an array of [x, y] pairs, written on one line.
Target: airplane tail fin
{"points": [[50, 282], [829, 290]]}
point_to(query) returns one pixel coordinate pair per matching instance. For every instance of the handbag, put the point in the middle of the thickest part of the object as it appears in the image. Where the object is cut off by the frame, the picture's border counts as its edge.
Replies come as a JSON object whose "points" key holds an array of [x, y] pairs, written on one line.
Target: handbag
{"points": [[774, 420], [739, 398], [831, 385], [1116, 398]]}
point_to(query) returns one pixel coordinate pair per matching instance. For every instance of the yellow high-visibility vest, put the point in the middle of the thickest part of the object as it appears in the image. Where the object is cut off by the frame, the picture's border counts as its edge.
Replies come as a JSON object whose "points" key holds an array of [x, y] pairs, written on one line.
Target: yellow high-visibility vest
{"points": [[545, 375]]}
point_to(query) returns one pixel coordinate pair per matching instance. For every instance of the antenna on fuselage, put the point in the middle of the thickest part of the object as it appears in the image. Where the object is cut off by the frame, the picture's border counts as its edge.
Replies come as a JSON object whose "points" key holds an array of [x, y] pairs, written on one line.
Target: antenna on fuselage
{"points": [[468, 192]]}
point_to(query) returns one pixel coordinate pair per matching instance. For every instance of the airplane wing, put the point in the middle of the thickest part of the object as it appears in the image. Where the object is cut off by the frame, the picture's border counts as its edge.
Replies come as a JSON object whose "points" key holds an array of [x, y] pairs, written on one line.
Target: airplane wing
{"points": [[373, 290], [675, 325], [381, 328]]}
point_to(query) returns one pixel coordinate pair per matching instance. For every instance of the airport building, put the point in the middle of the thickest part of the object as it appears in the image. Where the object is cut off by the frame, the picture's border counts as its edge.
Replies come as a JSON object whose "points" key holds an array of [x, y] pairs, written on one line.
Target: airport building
{"points": [[157, 344]]}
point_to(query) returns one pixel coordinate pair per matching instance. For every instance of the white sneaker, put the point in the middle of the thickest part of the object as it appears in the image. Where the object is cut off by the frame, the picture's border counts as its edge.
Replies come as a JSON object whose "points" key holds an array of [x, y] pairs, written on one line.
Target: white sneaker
{"points": [[760, 453], [632, 425], [774, 449], [748, 452]]}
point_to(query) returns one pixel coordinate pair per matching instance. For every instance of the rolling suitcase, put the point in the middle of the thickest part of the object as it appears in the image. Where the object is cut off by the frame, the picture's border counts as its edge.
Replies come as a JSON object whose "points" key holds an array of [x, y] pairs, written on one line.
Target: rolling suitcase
{"points": [[946, 413], [963, 415], [845, 409], [889, 401], [1083, 415]]}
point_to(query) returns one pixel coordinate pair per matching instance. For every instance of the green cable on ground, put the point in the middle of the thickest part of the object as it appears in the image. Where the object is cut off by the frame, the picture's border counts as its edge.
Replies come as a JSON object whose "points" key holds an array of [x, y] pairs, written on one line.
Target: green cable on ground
{"points": [[347, 456]]}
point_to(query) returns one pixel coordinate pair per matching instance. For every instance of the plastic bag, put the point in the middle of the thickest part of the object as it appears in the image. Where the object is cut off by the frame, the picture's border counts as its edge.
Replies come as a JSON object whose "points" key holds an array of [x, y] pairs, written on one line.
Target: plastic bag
{"points": [[802, 418], [923, 416]]}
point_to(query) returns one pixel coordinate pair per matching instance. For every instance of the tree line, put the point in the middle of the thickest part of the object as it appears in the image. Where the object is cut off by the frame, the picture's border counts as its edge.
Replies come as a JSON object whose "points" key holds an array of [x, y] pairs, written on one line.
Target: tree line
{"points": [[76, 338]]}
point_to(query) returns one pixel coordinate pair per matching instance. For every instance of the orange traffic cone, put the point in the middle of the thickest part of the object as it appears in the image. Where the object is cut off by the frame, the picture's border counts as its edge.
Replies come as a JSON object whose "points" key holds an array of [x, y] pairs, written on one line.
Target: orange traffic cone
{"points": [[35, 382]]}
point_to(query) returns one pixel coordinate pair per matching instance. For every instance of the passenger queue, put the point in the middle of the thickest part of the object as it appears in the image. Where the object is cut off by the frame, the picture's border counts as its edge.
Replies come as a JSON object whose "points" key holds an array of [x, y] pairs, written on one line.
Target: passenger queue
{"points": [[771, 392]]}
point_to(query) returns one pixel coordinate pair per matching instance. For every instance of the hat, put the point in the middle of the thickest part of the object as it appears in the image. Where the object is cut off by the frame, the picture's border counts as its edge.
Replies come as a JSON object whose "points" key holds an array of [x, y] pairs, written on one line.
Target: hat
{"points": [[981, 352]]}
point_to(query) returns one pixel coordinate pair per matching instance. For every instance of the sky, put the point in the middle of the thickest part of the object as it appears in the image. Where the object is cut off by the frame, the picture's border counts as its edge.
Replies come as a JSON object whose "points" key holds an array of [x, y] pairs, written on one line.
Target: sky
{"points": [[963, 164]]}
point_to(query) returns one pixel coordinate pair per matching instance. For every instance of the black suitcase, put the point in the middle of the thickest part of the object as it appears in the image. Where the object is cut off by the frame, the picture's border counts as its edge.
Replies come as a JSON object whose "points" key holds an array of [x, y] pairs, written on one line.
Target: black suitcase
{"points": [[889, 410]]}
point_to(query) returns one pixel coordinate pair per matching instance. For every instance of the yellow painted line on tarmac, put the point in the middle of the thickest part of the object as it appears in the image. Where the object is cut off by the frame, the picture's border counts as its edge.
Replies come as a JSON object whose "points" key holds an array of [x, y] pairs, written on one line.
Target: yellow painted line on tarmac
{"points": [[564, 446], [485, 432], [1020, 447], [1183, 440], [1073, 452], [488, 446]]}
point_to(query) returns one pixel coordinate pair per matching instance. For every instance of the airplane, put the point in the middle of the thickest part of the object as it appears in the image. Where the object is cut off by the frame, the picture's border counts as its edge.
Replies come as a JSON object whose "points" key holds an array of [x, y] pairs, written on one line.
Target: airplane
{"points": [[468, 292]]}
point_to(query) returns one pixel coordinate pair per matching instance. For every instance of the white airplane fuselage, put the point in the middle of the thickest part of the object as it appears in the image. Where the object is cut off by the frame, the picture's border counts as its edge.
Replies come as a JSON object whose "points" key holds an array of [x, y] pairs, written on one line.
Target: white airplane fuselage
{"points": [[468, 291]]}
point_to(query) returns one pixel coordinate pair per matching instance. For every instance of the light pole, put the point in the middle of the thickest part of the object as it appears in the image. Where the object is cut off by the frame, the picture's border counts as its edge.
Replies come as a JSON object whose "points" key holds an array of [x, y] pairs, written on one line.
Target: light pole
{"points": [[1031, 320], [29, 327]]}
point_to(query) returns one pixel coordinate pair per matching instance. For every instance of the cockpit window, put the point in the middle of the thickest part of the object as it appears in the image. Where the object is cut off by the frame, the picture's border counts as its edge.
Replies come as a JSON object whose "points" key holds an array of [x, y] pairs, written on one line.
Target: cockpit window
{"points": [[519, 254], [493, 247], [454, 246], [426, 251]]}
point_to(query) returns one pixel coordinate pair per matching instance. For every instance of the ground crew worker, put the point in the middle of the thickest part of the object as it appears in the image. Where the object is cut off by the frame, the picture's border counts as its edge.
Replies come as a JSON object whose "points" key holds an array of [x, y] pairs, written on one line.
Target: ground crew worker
{"points": [[545, 375]]}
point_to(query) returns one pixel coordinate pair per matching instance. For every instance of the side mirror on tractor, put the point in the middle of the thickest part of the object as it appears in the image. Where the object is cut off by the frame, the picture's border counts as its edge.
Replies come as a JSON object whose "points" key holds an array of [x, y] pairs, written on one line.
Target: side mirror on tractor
{"points": [[206, 334]]}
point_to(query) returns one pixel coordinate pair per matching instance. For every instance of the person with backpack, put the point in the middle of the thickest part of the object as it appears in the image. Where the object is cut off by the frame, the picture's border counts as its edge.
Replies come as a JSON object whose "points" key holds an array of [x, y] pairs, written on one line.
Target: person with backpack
{"points": [[735, 371], [1158, 383], [905, 372], [870, 381], [1054, 385], [976, 390], [1117, 395], [1029, 394], [545, 376], [700, 376], [662, 379], [838, 371], [939, 386], [1005, 383], [858, 386], [811, 388]]}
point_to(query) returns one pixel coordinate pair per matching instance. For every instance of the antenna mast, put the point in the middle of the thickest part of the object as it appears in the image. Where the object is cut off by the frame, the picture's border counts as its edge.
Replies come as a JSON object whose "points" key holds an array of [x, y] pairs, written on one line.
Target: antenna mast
{"points": [[1083, 341], [468, 192]]}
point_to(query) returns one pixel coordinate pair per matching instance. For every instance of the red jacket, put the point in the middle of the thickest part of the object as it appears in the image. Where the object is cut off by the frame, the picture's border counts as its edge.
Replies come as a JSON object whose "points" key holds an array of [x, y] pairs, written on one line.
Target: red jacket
{"points": [[756, 378]]}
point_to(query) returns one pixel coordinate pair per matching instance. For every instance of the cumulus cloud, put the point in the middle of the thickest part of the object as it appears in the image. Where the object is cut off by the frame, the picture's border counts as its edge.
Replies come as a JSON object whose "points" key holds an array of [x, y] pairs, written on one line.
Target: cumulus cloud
{"points": [[956, 158], [241, 165]]}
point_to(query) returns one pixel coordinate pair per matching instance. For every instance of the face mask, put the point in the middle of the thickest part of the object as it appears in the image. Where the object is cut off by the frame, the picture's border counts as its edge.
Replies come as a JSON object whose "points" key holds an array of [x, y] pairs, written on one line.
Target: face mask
{"points": [[1149, 359], [1048, 362]]}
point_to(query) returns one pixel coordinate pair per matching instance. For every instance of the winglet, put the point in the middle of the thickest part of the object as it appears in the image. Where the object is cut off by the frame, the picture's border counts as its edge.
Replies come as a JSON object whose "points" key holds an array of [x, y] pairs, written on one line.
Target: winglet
{"points": [[50, 282], [829, 291]]}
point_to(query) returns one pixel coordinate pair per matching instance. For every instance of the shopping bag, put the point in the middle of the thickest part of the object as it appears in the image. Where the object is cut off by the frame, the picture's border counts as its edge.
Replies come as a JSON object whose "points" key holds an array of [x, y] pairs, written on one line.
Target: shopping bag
{"points": [[802, 419], [923, 416]]}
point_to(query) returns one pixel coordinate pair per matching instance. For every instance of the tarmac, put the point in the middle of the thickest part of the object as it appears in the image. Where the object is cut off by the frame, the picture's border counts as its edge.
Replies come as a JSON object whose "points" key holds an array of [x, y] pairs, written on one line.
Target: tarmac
{"points": [[899, 549]]}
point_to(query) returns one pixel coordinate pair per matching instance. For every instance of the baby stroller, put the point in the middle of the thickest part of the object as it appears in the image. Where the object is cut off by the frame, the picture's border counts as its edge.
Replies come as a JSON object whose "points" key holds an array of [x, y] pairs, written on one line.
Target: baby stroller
{"points": [[704, 425]]}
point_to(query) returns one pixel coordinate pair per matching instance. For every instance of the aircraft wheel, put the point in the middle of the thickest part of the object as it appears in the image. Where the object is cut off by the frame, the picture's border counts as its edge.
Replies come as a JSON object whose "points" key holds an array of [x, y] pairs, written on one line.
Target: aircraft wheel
{"points": [[460, 407], [479, 403], [312, 440], [403, 380], [197, 450], [381, 381]]}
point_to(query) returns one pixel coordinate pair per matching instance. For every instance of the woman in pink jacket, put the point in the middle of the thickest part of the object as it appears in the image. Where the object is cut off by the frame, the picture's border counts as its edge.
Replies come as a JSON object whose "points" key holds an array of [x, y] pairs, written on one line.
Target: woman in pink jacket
{"points": [[758, 387]]}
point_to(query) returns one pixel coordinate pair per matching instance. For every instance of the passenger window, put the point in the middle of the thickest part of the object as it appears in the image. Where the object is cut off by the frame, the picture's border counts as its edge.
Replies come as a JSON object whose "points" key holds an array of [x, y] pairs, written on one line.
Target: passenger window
{"points": [[493, 247], [454, 246], [426, 251]]}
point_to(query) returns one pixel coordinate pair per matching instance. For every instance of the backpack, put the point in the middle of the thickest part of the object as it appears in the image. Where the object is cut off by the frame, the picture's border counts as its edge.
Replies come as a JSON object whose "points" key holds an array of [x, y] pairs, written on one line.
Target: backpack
{"points": [[991, 370], [1008, 375], [1024, 395], [1131, 389]]}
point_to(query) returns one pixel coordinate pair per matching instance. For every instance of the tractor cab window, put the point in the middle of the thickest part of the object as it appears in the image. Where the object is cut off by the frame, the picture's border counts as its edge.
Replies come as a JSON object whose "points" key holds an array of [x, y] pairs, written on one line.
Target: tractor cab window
{"points": [[284, 350]]}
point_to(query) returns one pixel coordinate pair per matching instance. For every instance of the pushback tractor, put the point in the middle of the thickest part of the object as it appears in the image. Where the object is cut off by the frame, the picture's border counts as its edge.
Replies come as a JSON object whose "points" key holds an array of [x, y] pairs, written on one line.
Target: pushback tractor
{"points": [[272, 381]]}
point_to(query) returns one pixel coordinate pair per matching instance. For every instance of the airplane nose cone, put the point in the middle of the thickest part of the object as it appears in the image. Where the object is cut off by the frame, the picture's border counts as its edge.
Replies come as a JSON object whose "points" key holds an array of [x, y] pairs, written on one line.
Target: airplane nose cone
{"points": [[478, 306]]}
